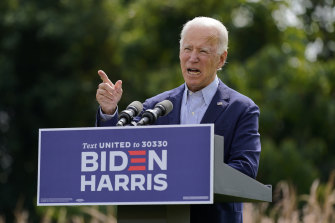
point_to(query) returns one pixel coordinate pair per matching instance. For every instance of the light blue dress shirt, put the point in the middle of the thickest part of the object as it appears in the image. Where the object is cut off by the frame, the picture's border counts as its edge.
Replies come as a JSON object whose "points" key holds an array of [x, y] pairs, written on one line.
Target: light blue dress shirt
{"points": [[195, 104], [106, 117]]}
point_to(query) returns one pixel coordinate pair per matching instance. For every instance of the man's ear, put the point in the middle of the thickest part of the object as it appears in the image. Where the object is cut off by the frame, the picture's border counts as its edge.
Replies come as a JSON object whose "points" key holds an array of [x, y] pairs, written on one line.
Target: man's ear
{"points": [[223, 58]]}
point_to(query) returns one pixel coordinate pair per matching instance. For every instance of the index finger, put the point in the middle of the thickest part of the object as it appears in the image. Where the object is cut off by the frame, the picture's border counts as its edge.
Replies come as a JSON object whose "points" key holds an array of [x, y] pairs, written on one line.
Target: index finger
{"points": [[104, 77]]}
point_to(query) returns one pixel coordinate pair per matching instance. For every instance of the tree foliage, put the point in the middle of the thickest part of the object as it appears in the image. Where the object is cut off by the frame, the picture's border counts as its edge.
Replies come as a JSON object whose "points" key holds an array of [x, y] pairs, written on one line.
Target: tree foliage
{"points": [[281, 54]]}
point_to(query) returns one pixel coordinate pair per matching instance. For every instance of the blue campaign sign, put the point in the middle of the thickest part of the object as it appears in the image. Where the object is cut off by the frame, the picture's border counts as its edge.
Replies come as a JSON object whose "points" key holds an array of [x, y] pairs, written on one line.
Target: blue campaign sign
{"points": [[126, 165]]}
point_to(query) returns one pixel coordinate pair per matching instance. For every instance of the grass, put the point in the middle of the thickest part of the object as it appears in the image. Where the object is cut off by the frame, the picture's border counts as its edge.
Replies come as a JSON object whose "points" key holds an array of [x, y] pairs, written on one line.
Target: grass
{"points": [[316, 207]]}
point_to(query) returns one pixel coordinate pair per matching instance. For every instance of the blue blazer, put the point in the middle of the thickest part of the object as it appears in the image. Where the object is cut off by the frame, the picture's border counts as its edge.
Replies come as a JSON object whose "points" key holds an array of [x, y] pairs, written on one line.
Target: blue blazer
{"points": [[235, 117]]}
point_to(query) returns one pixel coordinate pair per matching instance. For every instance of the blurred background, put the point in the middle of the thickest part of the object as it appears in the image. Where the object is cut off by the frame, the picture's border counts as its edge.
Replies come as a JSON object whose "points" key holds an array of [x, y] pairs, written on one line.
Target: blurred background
{"points": [[281, 54]]}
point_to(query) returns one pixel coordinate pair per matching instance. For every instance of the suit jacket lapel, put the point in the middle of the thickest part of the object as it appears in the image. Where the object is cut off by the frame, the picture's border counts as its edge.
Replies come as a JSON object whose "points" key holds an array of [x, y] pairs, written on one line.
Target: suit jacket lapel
{"points": [[218, 104], [176, 99]]}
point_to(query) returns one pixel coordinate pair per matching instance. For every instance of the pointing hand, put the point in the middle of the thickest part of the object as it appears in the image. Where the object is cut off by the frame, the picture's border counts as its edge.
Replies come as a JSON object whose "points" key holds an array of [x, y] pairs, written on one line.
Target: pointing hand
{"points": [[108, 94]]}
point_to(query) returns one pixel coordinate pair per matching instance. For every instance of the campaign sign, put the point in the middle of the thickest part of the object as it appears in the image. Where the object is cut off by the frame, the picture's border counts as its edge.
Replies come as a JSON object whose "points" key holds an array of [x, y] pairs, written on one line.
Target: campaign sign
{"points": [[126, 165]]}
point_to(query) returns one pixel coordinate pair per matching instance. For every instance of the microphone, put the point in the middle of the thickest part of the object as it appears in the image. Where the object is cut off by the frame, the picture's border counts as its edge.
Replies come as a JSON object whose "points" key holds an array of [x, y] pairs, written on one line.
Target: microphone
{"points": [[161, 109], [126, 116]]}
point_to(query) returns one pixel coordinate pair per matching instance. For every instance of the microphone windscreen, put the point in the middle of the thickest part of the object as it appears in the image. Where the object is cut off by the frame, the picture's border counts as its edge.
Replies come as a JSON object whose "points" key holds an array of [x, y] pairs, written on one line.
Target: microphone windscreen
{"points": [[167, 105], [138, 106]]}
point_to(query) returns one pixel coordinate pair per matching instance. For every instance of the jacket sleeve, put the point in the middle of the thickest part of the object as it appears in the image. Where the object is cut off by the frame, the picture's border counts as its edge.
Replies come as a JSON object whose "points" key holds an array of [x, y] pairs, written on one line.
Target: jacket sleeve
{"points": [[245, 146], [99, 122]]}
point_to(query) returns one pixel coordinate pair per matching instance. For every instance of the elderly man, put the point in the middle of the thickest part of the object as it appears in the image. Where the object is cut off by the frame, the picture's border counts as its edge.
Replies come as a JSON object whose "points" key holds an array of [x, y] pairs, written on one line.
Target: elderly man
{"points": [[203, 98]]}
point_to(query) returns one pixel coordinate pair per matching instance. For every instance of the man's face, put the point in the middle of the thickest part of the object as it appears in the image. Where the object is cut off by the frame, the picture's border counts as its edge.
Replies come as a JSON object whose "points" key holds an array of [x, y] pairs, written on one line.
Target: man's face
{"points": [[198, 56]]}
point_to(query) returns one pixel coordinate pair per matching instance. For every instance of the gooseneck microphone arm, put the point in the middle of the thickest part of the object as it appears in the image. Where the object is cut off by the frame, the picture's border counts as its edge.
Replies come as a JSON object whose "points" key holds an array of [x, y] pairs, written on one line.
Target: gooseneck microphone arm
{"points": [[126, 116], [161, 109]]}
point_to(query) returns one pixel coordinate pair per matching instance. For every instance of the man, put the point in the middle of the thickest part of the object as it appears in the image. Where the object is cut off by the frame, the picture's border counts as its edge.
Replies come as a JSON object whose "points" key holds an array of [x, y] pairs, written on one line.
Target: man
{"points": [[202, 99]]}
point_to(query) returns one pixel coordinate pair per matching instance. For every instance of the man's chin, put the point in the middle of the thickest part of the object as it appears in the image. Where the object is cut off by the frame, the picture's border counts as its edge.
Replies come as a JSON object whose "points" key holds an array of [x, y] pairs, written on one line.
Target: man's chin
{"points": [[193, 86]]}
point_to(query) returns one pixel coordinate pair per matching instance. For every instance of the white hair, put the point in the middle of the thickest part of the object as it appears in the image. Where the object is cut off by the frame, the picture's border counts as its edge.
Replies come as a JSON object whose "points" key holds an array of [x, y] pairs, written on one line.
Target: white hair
{"points": [[208, 22]]}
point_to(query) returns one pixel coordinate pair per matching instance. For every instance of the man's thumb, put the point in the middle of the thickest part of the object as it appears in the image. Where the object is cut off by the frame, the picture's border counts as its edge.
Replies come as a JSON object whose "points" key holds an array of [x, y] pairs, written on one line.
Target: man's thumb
{"points": [[118, 85]]}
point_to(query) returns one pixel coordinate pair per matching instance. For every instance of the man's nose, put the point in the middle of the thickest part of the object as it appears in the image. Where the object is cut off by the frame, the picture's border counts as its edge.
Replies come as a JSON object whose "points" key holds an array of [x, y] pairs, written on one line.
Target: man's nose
{"points": [[194, 57]]}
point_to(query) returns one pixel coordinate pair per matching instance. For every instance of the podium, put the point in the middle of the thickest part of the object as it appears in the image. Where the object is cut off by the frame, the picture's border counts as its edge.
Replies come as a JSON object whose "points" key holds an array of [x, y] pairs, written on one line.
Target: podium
{"points": [[152, 173], [230, 185]]}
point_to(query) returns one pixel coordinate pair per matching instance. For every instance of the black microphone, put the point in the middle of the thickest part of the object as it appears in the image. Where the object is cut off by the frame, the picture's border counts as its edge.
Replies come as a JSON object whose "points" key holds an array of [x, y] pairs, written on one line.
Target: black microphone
{"points": [[161, 109], [126, 116]]}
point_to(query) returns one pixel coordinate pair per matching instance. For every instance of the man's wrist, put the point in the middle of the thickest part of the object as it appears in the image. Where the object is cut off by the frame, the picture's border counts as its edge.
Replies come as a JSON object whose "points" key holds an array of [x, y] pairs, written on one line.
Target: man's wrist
{"points": [[106, 117]]}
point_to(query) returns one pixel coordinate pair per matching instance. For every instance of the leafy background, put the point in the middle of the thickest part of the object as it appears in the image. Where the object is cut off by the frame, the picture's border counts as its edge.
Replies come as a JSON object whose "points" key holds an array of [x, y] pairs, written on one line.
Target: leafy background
{"points": [[281, 54]]}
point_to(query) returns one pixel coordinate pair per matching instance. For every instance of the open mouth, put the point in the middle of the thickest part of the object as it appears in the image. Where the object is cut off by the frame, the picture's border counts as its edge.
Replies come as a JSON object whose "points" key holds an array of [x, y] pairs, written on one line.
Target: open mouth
{"points": [[193, 71]]}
